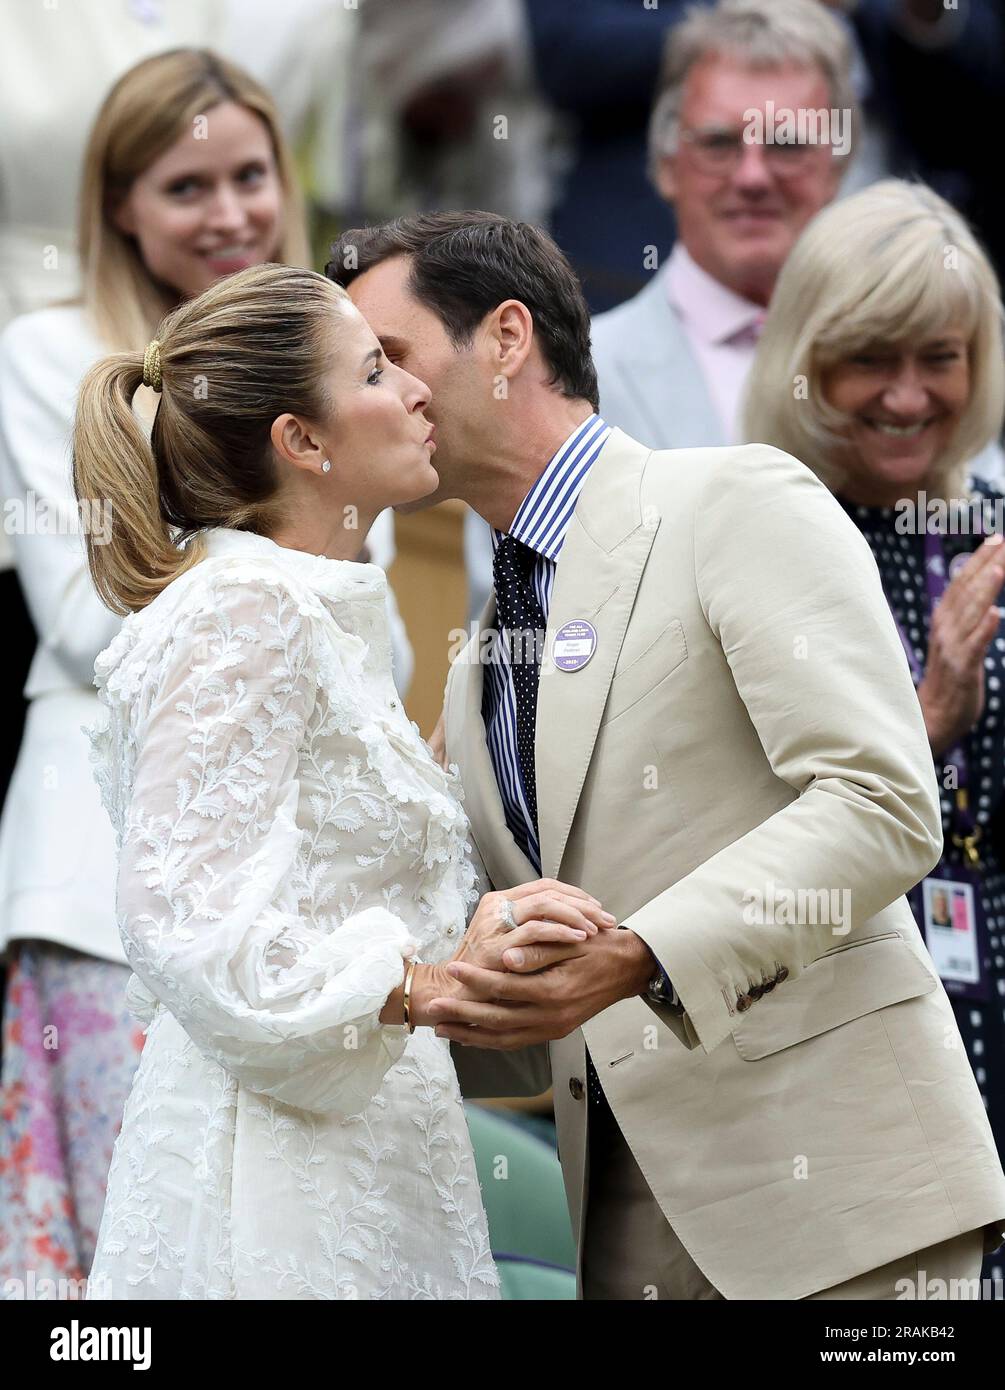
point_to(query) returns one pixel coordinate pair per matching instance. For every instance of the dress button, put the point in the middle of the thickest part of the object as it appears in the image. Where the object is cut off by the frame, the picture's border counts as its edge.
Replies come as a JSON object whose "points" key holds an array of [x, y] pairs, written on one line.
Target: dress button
{"points": [[576, 1088], [451, 931], [783, 974], [394, 704], [743, 1003]]}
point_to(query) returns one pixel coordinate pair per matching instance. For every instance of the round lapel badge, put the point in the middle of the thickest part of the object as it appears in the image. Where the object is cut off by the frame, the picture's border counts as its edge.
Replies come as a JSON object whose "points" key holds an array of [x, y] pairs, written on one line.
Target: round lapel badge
{"points": [[575, 644]]}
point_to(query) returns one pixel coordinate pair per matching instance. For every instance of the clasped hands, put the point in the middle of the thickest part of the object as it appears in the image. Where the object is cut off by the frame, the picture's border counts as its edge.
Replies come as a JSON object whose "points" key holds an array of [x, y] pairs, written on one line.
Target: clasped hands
{"points": [[564, 962]]}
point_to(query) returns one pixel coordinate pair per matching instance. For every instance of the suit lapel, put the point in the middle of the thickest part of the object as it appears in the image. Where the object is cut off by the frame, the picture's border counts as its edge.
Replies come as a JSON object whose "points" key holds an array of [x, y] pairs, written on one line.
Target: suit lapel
{"points": [[659, 370], [505, 863], [597, 577]]}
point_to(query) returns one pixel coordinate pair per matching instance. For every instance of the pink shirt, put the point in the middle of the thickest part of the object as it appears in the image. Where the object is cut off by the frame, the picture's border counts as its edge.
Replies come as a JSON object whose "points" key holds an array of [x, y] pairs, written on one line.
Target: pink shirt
{"points": [[722, 329]]}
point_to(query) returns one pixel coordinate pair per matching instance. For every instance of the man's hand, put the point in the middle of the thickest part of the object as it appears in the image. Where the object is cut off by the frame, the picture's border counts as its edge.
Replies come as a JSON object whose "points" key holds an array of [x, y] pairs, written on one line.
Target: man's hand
{"points": [[528, 1004]]}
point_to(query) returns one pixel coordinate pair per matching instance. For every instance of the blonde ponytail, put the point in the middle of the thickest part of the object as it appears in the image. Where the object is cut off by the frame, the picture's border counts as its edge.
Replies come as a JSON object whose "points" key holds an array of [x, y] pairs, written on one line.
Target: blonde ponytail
{"points": [[113, 465], [229, 362]]}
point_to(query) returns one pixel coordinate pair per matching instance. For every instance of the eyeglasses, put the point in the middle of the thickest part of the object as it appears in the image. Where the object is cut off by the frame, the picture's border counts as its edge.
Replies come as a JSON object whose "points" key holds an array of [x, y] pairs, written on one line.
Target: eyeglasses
{"points": [[720, 152]]}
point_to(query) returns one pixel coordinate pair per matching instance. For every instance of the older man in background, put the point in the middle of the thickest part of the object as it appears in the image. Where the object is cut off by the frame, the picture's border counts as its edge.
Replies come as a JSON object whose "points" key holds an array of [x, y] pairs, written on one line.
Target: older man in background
{"points": [[752, 132], [673, 360]]}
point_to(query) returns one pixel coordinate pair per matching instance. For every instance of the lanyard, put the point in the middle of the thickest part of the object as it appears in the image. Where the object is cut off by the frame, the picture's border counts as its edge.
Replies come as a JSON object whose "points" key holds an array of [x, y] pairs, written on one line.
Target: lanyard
{"points": [[966, 831]]}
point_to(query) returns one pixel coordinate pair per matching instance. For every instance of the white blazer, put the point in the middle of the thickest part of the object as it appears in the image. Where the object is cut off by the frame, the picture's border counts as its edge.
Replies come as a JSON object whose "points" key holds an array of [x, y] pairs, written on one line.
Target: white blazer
{"points": [[57, 851], [57, 854]]}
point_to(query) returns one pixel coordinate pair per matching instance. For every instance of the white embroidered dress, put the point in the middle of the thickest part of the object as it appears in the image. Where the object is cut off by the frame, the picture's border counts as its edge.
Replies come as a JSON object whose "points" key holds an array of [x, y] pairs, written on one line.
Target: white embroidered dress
{"points": [[285, 842]]}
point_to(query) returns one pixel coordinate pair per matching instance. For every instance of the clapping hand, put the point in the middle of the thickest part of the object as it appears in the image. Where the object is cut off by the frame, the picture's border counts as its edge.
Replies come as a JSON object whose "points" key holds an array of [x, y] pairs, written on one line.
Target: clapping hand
{"points": [[963, 624]]}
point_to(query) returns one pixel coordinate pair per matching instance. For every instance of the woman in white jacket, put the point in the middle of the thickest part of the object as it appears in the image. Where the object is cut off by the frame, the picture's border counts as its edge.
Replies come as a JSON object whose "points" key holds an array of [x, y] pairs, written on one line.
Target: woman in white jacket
{"points": [[293, 869], [163, 214]]}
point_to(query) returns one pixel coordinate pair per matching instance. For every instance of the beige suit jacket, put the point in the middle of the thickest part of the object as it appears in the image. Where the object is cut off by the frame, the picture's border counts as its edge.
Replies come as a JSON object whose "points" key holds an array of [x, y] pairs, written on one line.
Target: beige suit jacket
{"points": [[741, 774]]}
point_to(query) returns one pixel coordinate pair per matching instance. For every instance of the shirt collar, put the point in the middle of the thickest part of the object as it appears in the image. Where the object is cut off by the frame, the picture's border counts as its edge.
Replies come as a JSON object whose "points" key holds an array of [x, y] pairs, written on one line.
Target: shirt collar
{"points": [[334, 578], [710, 308], [543, 517]]}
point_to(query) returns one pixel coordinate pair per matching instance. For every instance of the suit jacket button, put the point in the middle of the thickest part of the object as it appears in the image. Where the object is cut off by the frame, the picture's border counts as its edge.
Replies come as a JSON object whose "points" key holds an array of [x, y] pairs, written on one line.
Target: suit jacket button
{"points": [[783, 974], [743, 1003], [576, 1088]]}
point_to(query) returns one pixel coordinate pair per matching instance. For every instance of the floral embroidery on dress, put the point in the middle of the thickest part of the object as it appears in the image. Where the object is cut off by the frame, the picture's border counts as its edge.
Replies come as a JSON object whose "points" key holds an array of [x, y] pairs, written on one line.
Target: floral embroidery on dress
{"points": [[286, 842]]}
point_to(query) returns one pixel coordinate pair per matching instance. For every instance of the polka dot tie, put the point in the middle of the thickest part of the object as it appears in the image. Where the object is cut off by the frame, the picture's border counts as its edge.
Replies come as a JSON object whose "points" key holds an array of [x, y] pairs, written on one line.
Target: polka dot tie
{"points": [[519, 614]]}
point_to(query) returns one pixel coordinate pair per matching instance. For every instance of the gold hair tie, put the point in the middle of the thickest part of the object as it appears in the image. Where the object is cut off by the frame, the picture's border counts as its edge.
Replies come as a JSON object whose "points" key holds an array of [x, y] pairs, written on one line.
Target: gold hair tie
{"points": [[152, 365]]}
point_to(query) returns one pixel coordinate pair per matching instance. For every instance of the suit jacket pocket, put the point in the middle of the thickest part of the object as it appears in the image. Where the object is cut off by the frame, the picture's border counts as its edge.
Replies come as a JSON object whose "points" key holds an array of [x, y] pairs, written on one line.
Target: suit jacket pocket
{"points": [[649, 669], [846, 983]]}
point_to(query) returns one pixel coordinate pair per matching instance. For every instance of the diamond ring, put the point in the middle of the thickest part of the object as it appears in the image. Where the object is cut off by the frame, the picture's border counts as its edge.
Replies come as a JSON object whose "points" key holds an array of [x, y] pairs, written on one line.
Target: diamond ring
{"points": [[506, 914]]}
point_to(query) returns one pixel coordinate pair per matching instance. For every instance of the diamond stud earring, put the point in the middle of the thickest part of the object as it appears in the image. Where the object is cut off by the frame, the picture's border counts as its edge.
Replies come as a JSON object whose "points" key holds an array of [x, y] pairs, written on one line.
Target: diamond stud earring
{"points": [[326, 467]]}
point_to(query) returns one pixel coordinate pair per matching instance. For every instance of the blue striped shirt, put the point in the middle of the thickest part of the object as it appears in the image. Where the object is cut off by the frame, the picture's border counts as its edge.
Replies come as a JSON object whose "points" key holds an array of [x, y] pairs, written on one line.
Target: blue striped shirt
{"points": [[541, 522]]}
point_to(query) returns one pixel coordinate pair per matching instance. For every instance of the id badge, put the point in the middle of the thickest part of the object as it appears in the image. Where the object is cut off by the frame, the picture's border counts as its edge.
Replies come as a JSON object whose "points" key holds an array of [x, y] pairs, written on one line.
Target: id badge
{"points": [[950, 908]]}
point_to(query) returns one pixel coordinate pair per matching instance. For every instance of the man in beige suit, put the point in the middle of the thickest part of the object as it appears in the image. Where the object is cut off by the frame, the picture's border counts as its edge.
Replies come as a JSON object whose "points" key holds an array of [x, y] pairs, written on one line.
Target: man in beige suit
{"points": [[759, 1084]]}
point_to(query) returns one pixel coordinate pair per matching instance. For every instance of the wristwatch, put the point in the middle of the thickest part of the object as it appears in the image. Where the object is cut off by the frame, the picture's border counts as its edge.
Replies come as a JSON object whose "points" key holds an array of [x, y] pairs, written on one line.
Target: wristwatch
{"points": [[660, 990]]}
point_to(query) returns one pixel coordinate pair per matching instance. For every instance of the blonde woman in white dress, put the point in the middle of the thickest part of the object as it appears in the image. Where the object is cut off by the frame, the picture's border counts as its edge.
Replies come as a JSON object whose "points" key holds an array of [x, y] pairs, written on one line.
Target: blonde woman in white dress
{"points": [[162, 216], [293, 867], [159, 214]]}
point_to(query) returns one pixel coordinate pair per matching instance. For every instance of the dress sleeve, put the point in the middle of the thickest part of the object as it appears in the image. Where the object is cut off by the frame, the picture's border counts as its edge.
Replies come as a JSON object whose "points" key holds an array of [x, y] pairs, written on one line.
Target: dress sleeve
{"points": [[212, 858]]}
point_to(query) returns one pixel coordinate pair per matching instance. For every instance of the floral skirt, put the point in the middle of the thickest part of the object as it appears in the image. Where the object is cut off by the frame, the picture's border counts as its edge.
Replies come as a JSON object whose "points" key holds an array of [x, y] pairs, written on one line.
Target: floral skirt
{"points": [[70, 1051]]}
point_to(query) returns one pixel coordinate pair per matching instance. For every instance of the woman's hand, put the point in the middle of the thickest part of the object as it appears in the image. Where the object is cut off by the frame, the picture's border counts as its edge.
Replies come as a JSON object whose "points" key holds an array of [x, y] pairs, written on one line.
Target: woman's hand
{"points": [[962, 626], [545, 911]]}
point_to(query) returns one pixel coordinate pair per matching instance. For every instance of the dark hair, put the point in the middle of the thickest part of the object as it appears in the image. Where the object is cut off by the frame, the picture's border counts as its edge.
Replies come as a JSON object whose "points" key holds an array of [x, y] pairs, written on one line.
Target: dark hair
{"points": [[464, 264]]}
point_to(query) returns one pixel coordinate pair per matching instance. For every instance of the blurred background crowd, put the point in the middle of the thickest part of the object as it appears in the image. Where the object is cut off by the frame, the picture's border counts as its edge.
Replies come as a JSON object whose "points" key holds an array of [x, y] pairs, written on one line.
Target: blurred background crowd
{"points": [[616, 124]]}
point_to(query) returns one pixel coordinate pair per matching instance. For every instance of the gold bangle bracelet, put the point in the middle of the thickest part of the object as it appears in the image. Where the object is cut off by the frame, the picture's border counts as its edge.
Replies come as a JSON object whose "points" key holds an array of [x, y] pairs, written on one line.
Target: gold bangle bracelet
{"points": [[406, 998]]}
